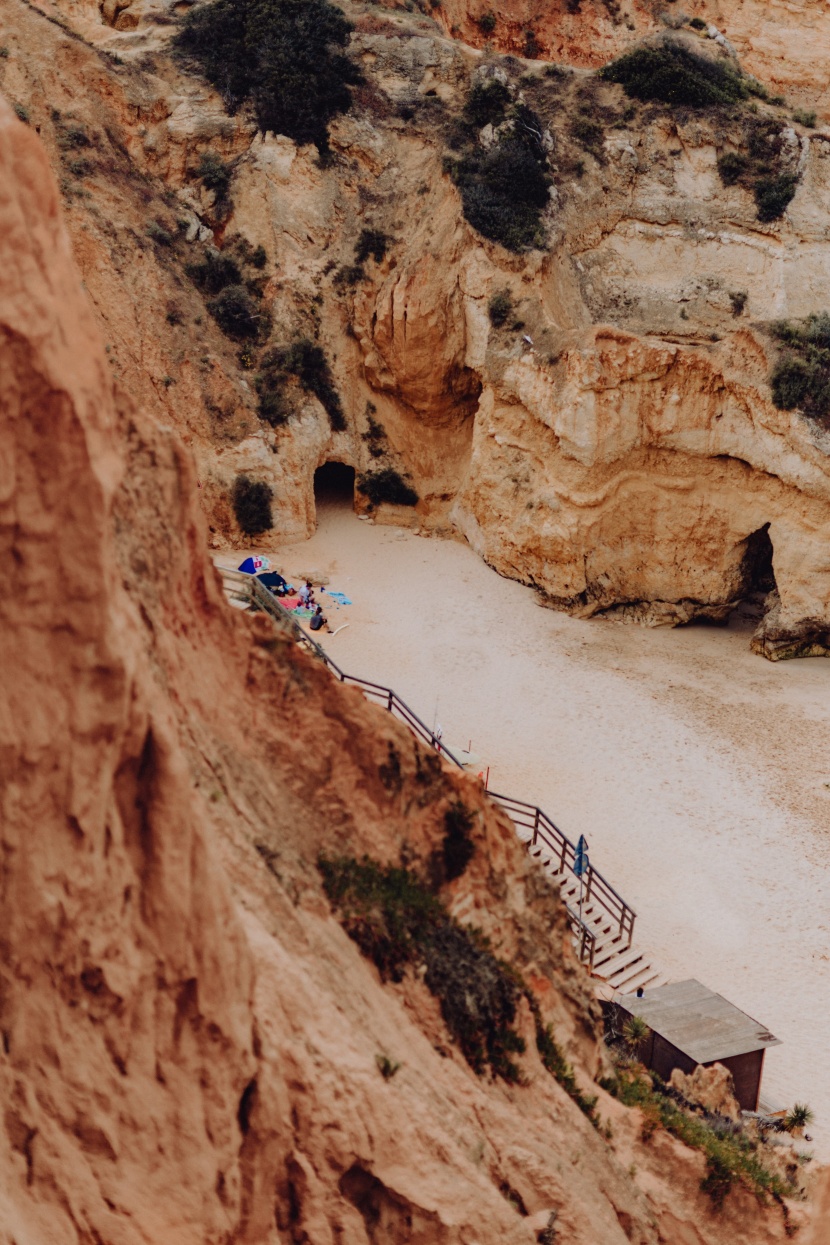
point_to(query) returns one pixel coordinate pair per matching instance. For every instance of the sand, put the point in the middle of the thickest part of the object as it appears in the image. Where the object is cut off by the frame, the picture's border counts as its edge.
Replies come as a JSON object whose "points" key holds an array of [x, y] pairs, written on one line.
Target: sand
{"points": [[697, 771]]}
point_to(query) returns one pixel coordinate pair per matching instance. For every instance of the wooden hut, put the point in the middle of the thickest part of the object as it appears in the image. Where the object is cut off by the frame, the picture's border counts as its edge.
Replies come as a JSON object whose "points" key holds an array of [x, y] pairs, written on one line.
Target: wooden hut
{"points": [[691, 1025]]}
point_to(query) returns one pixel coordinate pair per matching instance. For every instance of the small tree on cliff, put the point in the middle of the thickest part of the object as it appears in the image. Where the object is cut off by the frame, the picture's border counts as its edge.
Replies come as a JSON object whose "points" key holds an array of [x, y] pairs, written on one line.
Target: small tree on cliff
{"points": [[251, 501], [282, 55]]}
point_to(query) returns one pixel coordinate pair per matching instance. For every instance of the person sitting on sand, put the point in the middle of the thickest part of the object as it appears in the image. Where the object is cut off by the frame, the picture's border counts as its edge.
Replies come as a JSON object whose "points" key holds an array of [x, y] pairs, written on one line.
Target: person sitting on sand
{"points": [[307, 593], [318, 622]]}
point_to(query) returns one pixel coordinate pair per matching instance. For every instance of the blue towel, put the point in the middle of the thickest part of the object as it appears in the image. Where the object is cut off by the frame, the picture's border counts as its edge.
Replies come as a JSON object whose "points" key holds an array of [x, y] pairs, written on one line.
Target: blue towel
{"points": [[339, 597]]}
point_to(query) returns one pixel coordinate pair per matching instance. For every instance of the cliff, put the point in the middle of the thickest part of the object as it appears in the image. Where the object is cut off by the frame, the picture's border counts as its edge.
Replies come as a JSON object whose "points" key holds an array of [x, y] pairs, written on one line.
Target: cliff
{"points": [[190, 1040], [613, 441]]}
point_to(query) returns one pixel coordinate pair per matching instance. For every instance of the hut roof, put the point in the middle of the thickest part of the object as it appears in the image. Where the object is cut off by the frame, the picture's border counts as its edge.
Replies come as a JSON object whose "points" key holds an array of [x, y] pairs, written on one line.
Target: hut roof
{"points": [[702, 1024]]}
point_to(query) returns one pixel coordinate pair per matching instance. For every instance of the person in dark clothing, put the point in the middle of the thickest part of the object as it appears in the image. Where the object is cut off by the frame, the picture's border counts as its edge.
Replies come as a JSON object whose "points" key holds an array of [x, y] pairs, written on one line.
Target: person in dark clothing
{"points": [[318, 622]]}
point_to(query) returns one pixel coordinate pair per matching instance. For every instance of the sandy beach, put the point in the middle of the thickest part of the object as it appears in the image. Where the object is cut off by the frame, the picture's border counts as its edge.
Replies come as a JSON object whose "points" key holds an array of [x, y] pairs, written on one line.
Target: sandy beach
{"points": [[697, 771]]}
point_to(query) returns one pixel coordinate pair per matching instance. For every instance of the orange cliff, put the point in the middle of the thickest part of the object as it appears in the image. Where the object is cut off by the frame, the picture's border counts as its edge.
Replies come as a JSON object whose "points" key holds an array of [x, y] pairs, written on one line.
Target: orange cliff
{"points": [[188, 1037]]}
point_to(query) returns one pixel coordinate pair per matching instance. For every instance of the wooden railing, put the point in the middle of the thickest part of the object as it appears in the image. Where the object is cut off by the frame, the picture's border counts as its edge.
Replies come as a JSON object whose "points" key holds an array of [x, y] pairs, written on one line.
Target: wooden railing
{"points": [[247, 588], [544, 831]]}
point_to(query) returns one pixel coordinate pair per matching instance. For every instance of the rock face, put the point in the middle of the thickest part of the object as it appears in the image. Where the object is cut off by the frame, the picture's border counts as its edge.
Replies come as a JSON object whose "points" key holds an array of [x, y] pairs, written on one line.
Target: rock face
{"points": [[619, 450], [189, 1039]]}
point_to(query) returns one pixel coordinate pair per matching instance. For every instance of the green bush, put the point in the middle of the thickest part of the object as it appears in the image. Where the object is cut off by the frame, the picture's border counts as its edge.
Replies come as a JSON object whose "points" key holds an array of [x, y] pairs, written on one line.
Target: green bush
{"points": [[588, 133], [215, 174], [807, 119], [397, 923], [458, 847], [731, 167], [730, 1156], [251, 501], [273, 406], [697, 23], [674, 75], [284, 56], [215, 272], [387, 486], [500, 308], [159, 234], [487, 23], [773, 195], [503, 193], [487, 103], [238, 314], [306, 360], [755, 168], [372, 242]]}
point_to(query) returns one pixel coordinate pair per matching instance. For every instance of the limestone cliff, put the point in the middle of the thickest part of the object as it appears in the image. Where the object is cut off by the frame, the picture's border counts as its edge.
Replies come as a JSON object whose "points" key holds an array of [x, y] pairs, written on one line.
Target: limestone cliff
{"points": [[189, 1039], [620, 449]]}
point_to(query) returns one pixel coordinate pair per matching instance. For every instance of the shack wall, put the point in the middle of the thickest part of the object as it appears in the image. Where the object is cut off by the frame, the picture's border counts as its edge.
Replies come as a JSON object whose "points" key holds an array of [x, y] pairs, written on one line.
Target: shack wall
{"points": [[746, 1073]]}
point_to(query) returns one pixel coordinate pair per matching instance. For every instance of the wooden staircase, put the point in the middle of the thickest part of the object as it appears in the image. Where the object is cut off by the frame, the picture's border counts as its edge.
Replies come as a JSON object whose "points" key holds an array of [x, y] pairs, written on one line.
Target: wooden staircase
{"points": [[625, 967], [603, 928]]}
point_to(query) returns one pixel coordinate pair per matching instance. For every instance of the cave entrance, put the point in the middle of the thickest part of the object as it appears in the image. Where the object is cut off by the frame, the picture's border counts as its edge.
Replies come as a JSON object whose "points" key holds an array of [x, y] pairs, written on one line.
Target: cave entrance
{"points": [[757, 579], [756, 569], [334, 487]]}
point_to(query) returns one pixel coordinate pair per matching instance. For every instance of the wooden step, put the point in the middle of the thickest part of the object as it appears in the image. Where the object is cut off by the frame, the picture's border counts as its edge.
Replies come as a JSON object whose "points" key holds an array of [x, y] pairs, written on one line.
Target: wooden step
{"points": [[621, 967], [613, 960]]}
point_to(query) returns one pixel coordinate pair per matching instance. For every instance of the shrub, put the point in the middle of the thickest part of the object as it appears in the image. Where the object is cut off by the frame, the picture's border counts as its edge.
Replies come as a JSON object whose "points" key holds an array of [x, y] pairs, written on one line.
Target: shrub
{"points": [[22, 112], [349, 275], [773, 195], [500, 308], [306, 360], [731, 167], [397, 922], [251, 501], [458, 849], [282, 55], [588, 133], [159, 234], [487, 23], [215, 174], [386, 1067], [802, 375], [800, 1116], [487, 102], [807, 119], [755, 169], [738, 300], [697, 23], [372, 242], [674, 75], [730, 1156], [790, 381], [238, 314], [387, 486], [215, 272], [273, 406], [503, 193]]}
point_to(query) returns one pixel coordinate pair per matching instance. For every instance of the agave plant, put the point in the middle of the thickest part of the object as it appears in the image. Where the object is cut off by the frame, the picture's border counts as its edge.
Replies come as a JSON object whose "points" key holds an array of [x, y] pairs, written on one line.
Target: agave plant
{"points": [[635, 1031], [798, 1118]]}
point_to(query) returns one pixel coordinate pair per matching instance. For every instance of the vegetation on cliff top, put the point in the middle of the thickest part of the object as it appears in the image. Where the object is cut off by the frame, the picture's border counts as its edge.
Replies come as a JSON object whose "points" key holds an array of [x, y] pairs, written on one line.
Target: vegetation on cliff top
{"points": [[801, 375], [673, 74], [282, 56]]}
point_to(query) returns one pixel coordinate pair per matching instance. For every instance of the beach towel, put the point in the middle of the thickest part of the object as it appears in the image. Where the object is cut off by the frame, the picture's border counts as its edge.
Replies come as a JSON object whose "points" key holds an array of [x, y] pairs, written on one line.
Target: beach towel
{"points": [[339, 597], [290, 603]]}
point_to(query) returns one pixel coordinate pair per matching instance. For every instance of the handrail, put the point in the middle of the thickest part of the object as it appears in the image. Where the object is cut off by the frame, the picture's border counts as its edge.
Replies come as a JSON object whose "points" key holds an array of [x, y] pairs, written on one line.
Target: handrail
{"points": [[597, 889], [525, 816]]}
